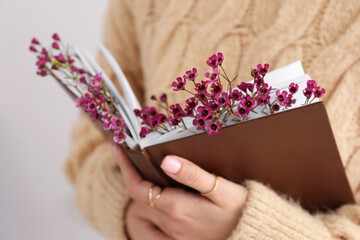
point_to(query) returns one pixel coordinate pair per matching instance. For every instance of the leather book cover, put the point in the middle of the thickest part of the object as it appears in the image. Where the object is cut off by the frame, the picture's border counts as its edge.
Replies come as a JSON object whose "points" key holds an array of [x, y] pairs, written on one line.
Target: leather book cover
{"points": [[294, 152]]}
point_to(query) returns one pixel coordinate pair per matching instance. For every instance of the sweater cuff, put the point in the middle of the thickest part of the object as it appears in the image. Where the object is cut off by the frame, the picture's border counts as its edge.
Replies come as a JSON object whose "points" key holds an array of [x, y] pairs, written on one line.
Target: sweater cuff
{"points": [[100, 193], [267, 215]]}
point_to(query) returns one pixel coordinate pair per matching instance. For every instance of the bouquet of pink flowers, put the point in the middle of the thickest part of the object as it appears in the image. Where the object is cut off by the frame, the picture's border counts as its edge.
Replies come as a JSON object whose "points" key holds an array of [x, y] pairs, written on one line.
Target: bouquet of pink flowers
{"points": [[213, 103]]}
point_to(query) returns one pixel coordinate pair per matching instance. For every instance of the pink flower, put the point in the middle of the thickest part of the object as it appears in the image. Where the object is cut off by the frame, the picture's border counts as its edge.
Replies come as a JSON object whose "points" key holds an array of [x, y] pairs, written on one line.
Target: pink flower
{"points": [[73, 68], [259, 81], [82, 79], [216, 88], [60, 58], [242, 111], [282, 98], [97, 81], [191, 105], [81, 71], [235, 95], [144, 131], [91, 106], [32, 49], [203, 97], [95, 116], [213, 106], [311, 84], [201, 87], [191, 74], [290, 101], [162, 118], [44, 51], [119, 136], [173, 121], [56, 37], [163, 98], [204, 113], [55, 45], [308, 92], [215, 60], [263, 99], [222, 99], [179, 85], [199, 122], [244, 86], [214, 76], [137, 112], [34, 41], [275, 107], [176, 111], [319, 92], [213, 127], [248, 102], [293, 88], [70, 60], [116, 122], [263, 70]]}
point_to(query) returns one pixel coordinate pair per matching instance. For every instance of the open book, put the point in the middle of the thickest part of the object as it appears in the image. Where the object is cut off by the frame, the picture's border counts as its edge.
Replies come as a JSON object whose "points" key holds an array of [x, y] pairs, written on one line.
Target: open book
{"points": [[279, 79], [293, 151]]}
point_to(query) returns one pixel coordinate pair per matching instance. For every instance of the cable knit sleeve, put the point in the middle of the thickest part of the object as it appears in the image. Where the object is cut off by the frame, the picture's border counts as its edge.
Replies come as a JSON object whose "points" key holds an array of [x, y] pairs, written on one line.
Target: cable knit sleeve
{"points": [[99, 190], [270, 216]]}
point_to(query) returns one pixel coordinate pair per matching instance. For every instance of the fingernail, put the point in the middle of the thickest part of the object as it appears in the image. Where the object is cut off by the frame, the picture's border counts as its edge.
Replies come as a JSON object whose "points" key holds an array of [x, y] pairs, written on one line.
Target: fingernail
{"points": [[171, 165]]}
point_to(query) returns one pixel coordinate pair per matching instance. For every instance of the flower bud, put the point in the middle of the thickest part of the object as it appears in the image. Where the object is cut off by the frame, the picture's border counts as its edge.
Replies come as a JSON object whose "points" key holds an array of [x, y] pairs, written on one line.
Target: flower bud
{"points": [[56, 37], [32, 48], [55, 45], [34, 41]]}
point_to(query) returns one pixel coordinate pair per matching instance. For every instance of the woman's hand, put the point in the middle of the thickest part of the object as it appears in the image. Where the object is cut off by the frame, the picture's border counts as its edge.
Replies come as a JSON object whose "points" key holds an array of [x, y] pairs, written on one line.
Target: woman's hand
{"points": [[179, 214]]}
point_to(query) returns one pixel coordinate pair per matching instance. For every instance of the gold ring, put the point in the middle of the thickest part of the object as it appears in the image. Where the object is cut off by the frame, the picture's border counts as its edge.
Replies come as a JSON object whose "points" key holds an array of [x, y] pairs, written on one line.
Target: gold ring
{"points": [[213, 188], [153, 201]]}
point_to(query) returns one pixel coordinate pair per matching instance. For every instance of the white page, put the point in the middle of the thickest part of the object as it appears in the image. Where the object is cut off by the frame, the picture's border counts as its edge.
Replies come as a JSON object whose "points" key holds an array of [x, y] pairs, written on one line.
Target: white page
{"points": [[130, 96]]}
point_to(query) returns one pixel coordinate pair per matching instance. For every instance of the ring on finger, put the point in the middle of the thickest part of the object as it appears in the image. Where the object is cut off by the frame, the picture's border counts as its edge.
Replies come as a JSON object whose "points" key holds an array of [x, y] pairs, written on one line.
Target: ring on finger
{"points": [[152, 201], [213, 189]]}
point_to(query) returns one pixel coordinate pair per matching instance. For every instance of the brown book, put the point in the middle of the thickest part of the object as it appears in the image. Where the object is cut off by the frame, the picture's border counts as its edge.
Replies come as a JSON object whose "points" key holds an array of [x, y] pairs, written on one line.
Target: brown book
{"points": [[293, 151]]}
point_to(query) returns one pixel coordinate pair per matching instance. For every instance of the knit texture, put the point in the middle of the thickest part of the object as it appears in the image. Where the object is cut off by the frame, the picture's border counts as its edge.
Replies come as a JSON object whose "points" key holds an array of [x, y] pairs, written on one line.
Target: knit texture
{"points": [[157, 41]]}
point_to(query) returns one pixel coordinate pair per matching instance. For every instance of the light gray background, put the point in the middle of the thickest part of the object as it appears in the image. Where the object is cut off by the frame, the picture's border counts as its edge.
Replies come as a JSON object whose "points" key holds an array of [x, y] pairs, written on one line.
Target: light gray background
{"points": [[36, 200]]}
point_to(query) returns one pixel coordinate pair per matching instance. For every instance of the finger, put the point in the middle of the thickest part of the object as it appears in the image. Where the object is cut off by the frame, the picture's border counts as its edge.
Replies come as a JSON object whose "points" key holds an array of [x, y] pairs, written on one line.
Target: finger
{"points": [[137, 188], [152, 232], [141, 228], [189, 174]]}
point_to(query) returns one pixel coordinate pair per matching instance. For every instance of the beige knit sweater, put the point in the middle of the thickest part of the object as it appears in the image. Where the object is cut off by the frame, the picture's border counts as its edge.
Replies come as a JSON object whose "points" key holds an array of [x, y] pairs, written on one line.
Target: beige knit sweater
{"points": [[157, 40]]}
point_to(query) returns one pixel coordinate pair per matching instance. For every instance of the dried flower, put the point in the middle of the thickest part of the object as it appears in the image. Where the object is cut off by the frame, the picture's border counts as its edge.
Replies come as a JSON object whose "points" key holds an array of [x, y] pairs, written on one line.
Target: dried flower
{"points": [[55, 45], [163, 98], [215, 60], [213, 127], [293, 88], [212, 103], [319, 92], [32, 48], [34, 41], [144, 131], [119, 136], [179, 84], [56, 37], [282, 97], [191, 74]]}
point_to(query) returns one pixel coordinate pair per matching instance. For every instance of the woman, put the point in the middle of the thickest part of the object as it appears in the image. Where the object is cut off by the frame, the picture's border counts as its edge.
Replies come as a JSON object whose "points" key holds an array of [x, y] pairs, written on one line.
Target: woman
{"points": [[155, 42]]}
